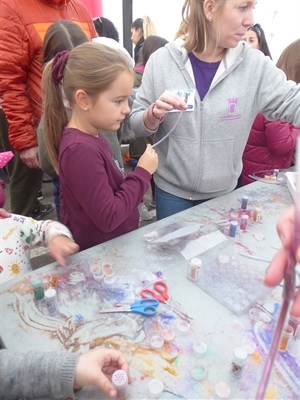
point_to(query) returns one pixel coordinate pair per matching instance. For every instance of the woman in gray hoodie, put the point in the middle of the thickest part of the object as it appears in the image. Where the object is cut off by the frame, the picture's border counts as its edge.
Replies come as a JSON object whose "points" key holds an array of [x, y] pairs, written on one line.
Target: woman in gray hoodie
{"points": [[232, 83]]}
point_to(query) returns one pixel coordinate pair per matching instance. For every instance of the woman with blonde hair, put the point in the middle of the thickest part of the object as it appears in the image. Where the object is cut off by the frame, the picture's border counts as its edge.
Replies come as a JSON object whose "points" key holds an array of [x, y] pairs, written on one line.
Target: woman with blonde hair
{"points": [[202, 157], [141, 28]]}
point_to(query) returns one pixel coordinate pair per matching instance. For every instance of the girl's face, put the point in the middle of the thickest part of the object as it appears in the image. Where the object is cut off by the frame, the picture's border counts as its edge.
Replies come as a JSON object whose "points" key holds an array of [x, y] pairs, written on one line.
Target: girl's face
{"points": [[230, 23], [252, 39], [109, 109], [136, 34]]}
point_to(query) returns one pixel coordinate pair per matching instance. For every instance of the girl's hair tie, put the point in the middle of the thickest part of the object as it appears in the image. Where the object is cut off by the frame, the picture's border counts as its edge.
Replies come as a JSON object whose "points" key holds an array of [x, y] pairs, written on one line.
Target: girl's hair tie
{"points": [[58, 66]]}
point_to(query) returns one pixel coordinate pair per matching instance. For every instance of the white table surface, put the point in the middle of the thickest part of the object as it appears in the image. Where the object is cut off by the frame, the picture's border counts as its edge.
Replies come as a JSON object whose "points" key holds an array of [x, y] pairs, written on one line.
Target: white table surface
{"points": [[137, 262]]}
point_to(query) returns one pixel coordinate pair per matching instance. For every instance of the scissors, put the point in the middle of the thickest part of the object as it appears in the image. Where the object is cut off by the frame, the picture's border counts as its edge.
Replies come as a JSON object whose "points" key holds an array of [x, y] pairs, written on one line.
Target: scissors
{"points": [[146, 307], [159, 292]]}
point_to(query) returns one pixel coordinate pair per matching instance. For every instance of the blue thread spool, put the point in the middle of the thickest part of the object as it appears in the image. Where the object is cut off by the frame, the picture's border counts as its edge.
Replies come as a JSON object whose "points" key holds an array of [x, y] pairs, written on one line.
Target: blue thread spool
{"points": [[244, 202], [233, 228]]}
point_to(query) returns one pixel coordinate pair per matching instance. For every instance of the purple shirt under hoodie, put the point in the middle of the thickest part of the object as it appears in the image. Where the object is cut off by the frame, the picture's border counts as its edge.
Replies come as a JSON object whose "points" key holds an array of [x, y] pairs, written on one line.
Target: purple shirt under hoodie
{"points": [[204, 73], [98, 202]]}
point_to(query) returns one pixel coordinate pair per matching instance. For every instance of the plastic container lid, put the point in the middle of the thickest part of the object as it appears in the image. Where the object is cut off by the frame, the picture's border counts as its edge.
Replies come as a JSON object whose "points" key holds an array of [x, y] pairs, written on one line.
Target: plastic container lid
{"points": [[156, 342], [240, 355], [50, 293], [198, 372], [222, 390], [120, 379], [155, 388], [183, 326], [199, 348], [196, 261]]}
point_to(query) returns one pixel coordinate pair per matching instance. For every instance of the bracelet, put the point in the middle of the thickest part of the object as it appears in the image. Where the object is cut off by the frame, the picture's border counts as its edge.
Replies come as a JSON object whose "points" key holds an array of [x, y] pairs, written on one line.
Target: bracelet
{"points": [[152, 110], [151, 116]]}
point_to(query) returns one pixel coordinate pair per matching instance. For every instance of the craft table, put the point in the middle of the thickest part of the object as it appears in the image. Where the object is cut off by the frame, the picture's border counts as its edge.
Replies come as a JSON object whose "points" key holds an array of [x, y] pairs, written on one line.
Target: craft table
{"points": [[138, 259]]}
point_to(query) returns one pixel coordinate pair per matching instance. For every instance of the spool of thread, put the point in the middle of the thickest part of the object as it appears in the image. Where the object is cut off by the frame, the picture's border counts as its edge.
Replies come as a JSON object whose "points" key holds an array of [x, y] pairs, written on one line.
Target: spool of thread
{"points": [[257, 214], [244, 222], [232, 228], [120, 381], [37, 286], [244, 202], [286, 336], [51, 301]]}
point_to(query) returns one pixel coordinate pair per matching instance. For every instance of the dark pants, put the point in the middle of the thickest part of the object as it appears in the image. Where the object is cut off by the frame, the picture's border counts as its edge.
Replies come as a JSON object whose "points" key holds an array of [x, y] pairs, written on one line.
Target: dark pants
{"points": [[24, 182]]}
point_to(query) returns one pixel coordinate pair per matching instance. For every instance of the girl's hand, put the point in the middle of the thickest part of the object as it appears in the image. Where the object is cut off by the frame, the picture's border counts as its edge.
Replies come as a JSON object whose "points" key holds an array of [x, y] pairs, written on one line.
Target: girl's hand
{"points": [[96, 368], [285, 229], [148, 160], [61, 247]]}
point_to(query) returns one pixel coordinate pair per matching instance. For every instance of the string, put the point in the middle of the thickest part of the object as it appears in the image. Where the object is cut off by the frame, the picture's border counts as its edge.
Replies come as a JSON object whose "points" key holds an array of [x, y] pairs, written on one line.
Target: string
{"points": [[169, 133]]}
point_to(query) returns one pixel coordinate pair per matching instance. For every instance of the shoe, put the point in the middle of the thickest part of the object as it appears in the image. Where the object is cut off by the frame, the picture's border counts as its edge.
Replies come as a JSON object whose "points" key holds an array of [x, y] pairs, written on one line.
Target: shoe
{"points": [[40, 195], [152, 203], [41, 210], [145, 215]]}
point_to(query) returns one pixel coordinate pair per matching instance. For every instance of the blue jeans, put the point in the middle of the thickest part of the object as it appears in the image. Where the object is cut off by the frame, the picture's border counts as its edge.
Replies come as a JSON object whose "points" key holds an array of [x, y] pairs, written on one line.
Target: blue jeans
{"points": [[167, 204]]}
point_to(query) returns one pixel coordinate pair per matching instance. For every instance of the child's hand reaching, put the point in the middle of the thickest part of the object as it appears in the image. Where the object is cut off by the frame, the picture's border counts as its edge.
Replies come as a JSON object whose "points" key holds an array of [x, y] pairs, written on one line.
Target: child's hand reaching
{"points": [[61, 247], [149, 160], [96, 368]]}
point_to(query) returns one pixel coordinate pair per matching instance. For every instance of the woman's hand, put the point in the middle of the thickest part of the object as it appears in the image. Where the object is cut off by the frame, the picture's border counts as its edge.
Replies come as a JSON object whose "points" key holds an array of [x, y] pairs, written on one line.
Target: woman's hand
{"points": [[285, 229]]}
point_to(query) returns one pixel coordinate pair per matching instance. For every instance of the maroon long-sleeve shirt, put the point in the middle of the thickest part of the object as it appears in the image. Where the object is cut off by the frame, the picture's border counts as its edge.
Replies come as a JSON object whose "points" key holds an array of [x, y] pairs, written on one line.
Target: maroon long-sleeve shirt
{"points": [[98, 201]]}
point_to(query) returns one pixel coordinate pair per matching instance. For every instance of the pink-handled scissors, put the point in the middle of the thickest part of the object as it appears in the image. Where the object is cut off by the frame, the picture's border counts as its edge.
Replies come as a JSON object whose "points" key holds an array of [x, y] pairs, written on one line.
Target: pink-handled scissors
{"points": [[159, 291]]}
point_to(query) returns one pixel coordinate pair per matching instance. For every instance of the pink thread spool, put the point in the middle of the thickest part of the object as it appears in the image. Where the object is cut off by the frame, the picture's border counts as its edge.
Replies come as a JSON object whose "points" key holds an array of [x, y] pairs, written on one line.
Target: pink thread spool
{"points": [[120, 382]]}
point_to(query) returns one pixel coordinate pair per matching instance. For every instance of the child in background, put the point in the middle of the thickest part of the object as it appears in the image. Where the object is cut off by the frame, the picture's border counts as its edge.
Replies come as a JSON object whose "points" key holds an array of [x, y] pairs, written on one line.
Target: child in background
{"points": [[19, 234], [98, 201]]}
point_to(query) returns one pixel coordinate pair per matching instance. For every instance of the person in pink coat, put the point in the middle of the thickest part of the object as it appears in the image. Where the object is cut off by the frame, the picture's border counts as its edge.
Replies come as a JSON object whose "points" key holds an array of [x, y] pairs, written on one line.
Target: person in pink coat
{"points": [[271, 145]]}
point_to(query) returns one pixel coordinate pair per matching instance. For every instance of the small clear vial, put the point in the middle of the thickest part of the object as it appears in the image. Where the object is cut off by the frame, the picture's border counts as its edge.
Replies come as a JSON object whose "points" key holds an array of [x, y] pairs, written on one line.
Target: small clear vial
{"points": [[244, 202], [286, 336], [38, 290], [239, 359], [232, 228], [244, 222], [51, 301], [257, 214], [193, 269]]}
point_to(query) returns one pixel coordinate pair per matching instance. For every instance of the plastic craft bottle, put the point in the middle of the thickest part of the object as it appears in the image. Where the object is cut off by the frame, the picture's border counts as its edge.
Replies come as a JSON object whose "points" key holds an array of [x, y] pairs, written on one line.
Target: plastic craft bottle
{"points": [[286, 336], [120, 382], [193, 269], [244, 221], [294, 322], [38, 290], [51, 301], [244, 202], [239, 359], [232, 228], [257, 214]]}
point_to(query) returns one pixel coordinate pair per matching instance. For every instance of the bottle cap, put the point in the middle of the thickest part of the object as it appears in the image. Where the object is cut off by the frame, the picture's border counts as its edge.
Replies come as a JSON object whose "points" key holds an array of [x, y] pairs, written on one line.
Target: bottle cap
{"points": [[234, 223], [36, 281], [196, 261], [155, 388], [199, 348], [50, 293], [222, 390], [245, 216], [120, 379], [240, 355], [245, 197]]}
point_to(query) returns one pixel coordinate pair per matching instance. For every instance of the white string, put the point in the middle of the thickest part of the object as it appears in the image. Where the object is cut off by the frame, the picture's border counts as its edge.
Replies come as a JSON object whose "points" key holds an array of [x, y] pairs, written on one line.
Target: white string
{"points": [[169, 133]]}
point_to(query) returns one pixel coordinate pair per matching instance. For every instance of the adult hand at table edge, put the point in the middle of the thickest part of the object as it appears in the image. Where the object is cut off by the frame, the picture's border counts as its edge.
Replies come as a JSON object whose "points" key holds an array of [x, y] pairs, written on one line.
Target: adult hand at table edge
{"points": [[4, 213], [285, 229], [96, 368]]}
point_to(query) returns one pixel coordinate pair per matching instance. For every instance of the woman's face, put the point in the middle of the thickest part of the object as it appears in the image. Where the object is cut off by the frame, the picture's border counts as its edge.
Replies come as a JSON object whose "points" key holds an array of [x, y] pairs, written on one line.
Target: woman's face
{"points": [[230, 23], [252, 39], [136, 34]]}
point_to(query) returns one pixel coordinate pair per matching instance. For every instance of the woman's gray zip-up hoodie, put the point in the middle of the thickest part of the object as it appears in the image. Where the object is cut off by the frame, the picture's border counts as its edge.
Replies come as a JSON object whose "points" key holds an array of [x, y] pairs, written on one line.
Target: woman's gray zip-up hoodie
{"points": [[202, 158]]}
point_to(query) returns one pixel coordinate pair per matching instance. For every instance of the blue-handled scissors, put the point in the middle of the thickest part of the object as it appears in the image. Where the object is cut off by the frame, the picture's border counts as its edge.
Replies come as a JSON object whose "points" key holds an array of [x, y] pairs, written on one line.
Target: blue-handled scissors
{"points": [[145, 307]]}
